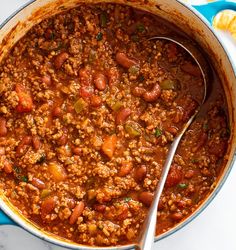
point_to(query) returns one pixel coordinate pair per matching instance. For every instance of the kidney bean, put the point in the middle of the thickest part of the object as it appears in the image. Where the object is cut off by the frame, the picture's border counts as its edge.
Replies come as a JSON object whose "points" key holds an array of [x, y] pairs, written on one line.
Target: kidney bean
{"points": [[173, 130], [57, 112], [47, 206], [152, 95], [8, 167], [60, 59], [95, 101], [47, 80], [122, 115], [99, 208], [175, 176], [78, 210], [64, 138], [125, 61], [22, 146], [177, 216], [36, 142], [140, 173], [146, 198], [125, 168], [100, 81], [71, 203], [189, 174], [77, 151], [3, 128], [138, 91], [38, 183], [181, 204]]}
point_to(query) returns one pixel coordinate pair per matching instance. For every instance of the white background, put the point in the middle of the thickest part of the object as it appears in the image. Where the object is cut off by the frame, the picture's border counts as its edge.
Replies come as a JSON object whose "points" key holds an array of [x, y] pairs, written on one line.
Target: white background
{"points": [[214, 229]]}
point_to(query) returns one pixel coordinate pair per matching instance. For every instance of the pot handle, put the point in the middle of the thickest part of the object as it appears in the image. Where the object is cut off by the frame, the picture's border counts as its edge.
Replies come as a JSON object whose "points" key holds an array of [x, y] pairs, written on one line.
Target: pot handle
{"points": [[210, 10], [5, 220]]}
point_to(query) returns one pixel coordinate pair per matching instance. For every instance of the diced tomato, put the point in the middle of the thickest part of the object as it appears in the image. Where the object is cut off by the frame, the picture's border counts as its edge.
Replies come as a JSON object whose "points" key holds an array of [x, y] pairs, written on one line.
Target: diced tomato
{"points": [[25, 103]]}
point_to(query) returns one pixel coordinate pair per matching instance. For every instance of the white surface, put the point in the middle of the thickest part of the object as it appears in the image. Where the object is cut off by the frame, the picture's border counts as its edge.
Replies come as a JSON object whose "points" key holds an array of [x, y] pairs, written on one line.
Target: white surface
{"points": [[214, 229]]}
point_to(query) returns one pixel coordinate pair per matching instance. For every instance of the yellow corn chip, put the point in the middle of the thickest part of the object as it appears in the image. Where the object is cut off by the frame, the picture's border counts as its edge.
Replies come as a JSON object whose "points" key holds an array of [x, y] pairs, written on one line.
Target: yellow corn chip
{"points": [[232, 25], [223, 19]]}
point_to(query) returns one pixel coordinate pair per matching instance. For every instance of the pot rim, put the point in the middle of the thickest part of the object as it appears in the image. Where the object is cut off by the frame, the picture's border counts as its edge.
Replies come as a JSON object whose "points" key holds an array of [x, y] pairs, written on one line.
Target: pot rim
{"points": [[32, 229]]}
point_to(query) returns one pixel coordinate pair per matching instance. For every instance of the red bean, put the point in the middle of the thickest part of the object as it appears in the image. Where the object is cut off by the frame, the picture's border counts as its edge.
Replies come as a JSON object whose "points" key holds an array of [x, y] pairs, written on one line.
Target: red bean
{"points": [[36, 142], [100, 81], [22, 146], [71, 203], [174, 177], [8, 167], [177, 216], [78, 210], [38, 183], [47, 80], [146, 198], [173, 130], [189, 174], [99, 208], [152, 95], [60, 59], [125, 61], [3, 128], [140, 173], [125, 168], [95, 101], [122, 115], [77, 151], [62, 140], [47, 206]]}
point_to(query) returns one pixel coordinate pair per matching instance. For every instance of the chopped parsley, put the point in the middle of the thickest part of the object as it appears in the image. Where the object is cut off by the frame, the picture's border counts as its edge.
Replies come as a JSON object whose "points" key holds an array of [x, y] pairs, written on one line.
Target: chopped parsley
{"points": [[99, 36], [127, 199], [182, 185], [158, 132]]}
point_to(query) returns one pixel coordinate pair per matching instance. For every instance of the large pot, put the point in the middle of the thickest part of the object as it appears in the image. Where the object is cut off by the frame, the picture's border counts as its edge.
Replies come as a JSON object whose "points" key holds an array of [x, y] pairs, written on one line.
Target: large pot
{"points": [[189, 20]]}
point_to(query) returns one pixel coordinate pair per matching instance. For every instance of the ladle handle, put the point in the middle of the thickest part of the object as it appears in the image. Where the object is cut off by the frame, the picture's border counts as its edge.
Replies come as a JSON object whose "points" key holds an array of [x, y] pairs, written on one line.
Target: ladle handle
{"points": [[210, 10], [147, 235]]}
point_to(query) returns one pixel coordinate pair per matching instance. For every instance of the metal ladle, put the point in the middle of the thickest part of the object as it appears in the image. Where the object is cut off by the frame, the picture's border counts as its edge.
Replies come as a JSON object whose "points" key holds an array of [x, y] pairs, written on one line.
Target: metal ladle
{"points": [[146, 238]]}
